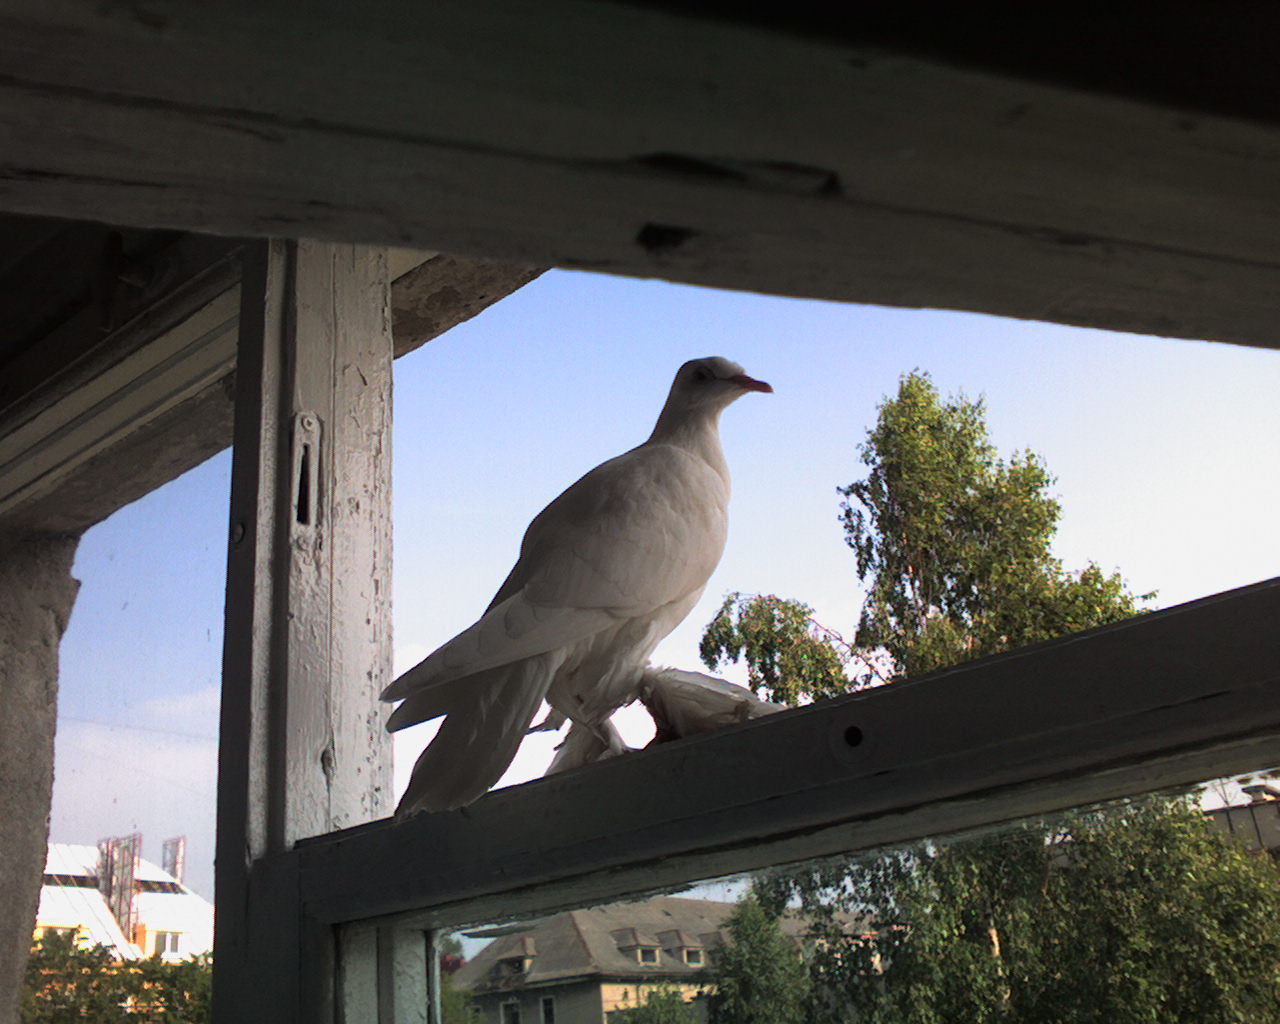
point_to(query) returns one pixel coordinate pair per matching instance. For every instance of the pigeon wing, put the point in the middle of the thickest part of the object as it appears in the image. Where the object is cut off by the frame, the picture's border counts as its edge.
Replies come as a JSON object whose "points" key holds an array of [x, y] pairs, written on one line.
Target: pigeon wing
{"points": [[634, 534]]}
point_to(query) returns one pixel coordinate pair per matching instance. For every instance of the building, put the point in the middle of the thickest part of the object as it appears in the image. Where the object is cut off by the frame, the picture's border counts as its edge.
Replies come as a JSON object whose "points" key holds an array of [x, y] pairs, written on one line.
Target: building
{"points": [[1115, 170], [151, 913], [1256, 823], [580, 966]]}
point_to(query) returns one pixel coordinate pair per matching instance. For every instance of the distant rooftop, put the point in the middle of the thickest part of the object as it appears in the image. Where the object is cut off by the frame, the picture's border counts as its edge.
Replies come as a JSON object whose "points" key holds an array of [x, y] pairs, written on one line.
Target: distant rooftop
{"points": [[662, 938], [70, 897]]}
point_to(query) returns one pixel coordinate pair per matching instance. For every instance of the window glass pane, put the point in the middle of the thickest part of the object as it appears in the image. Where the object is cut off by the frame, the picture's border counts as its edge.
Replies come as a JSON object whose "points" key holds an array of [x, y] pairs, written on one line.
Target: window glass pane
{"points": [[138, 704], [495, 420], [1157, 908]]}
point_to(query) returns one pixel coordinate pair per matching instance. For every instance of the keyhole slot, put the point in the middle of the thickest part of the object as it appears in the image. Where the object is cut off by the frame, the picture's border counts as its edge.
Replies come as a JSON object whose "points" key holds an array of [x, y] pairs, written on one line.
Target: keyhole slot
{"points": [[306, 470], [302, 511]]}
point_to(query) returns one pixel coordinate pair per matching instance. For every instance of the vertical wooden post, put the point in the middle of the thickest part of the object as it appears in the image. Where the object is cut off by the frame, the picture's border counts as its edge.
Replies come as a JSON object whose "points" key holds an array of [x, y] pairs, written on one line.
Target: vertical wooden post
{"points": [[302, 749], [383, 976], [407, 987], [434, 1010]]}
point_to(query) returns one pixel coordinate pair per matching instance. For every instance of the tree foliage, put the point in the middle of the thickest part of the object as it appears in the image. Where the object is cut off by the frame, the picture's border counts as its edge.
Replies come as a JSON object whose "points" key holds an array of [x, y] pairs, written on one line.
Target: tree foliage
{"points": [[954, 543], [954, 547], [1127, 915], [1140, 913], [760, 976], [66, 982], [663, 1005], [455, 1001], [789, 657]]}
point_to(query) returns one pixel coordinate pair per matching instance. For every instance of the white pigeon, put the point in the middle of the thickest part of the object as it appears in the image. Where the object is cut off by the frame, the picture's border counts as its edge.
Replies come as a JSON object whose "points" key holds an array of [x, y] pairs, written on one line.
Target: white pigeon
{"points": [[606, 571]]}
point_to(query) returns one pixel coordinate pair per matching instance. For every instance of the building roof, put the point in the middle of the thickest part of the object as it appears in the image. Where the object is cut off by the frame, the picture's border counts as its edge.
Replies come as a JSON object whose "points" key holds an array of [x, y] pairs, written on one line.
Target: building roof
{"points": [[64, 906], [70, 898], [602, 942], [79, 859]]}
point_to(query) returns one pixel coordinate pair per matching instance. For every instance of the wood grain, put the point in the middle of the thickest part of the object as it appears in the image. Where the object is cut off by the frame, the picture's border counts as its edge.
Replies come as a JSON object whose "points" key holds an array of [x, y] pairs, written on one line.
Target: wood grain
{"points": [[1167, 699], [639, 141], [303, 747]]}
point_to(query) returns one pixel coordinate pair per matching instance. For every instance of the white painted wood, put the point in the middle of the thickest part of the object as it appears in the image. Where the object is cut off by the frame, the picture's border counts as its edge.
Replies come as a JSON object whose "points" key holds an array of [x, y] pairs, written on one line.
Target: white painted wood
{"points": [[36, 456], [91, 422], [338, 759], [357, 974], [402, 261], [611, 137], [80, 405], [382, 975], [404, 976], [303, 749], [1166, 699], [435, 1012]]}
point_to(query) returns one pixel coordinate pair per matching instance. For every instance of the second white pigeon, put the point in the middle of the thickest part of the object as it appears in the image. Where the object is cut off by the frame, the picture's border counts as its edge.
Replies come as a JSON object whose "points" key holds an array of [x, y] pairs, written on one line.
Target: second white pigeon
{"points": [[606, 571]]}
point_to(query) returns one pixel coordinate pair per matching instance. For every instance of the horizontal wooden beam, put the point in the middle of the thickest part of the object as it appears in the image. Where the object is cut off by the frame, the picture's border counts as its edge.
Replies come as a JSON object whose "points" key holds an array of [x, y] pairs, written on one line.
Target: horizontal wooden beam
{"points": [[873, 167], [86, 396], [1120, 49], [437, 294], [91, 419], [1164, 700]]}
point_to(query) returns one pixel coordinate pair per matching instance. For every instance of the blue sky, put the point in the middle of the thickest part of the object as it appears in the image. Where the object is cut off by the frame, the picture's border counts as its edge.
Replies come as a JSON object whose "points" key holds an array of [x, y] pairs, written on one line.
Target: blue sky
{"points": [[1165, 454]]}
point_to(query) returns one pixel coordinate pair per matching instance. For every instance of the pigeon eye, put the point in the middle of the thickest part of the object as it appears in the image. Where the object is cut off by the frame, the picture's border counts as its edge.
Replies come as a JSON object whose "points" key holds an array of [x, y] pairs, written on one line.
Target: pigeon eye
{"points": [[702, 374]]}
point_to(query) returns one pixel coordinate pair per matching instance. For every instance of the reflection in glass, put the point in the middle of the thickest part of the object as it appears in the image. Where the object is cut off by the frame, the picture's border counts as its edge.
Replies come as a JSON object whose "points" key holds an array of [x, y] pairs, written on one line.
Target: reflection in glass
{"points": [[1149, 909]]}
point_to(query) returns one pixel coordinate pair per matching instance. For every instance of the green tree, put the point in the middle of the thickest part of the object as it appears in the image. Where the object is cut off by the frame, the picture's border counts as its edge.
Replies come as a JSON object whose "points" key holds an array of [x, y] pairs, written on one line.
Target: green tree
{"points": [[455, 1001], [954, 543], [1137, 913], [65, 982], [663, 1005], [1183, 923], [1132, 914], [954, 546], [789, 656], [760, 977]]}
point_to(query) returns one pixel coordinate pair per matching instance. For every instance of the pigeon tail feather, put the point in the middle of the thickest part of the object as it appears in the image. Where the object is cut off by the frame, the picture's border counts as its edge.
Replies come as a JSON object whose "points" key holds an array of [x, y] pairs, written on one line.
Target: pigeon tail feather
{"points": [[432, 702], [478, 739]]}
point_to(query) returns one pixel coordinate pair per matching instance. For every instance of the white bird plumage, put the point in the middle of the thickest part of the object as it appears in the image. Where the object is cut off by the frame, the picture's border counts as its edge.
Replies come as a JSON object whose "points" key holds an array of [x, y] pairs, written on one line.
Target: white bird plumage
{"points": [[605, 571]]}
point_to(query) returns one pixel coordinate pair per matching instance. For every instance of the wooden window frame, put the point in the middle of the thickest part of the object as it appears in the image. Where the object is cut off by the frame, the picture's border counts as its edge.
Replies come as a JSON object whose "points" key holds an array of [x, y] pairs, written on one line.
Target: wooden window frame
{"points": [[352, 898], [911, 165]]}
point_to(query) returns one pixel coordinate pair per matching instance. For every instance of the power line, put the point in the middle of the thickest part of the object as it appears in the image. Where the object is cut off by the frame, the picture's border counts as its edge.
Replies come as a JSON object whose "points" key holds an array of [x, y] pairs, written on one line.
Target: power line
{"points": [[137, 728]]}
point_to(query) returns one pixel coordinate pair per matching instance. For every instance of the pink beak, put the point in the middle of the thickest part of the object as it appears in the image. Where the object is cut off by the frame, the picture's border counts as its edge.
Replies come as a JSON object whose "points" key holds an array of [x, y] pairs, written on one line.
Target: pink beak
{"points": [[751, 384]]}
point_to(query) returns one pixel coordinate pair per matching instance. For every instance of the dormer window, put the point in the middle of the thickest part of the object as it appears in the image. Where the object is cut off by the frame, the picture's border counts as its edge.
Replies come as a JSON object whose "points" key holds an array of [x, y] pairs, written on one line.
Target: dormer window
{"points": [[683, 947], [644, 947], [514, 966], [517, 959]]}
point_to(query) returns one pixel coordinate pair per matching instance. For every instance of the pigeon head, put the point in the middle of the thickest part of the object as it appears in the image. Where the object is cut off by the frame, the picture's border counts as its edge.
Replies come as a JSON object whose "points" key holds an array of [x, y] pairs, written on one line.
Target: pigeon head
{"points": [[711, 383], [700, 392]]}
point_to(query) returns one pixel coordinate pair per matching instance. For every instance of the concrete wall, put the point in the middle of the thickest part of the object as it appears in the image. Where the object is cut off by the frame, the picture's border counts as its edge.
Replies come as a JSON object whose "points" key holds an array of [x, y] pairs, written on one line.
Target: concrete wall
{"points": [[36, 595]]}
